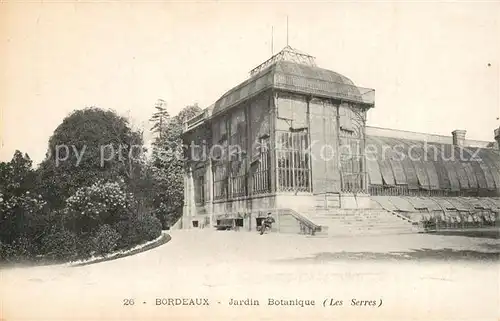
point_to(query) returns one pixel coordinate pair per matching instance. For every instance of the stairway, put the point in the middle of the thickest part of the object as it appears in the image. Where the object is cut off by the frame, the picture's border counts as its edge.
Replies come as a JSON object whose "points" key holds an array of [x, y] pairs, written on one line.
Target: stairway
{"points": [[326, 201], [362, 221]]}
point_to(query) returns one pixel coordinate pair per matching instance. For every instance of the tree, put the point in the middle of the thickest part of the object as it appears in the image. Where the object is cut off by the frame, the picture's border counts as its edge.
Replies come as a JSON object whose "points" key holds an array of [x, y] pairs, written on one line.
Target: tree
{"points": [[160, 118], [89, 145], [20, 207], [166, 168]]}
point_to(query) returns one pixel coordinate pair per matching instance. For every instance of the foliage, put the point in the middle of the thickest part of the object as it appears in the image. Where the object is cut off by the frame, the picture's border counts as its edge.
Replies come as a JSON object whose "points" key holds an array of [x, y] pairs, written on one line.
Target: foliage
{"points": [[149, 227], [166, 168], [7, 252], [90, 144], [90, 194], [20, 209], [20, 249], [105, 240], [160, 118], [138, 230], [59, 244], [101, 203]]}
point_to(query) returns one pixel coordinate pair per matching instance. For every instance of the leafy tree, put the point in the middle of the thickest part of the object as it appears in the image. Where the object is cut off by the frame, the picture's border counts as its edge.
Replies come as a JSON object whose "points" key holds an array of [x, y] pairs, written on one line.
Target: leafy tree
{"points": [[166, 168], [89, 145], [17, 201], [21, 210]]}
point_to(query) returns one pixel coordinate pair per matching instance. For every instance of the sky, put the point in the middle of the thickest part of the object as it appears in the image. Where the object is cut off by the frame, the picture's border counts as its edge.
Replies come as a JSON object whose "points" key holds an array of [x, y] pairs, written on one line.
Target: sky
{"points": [[434, 66]]}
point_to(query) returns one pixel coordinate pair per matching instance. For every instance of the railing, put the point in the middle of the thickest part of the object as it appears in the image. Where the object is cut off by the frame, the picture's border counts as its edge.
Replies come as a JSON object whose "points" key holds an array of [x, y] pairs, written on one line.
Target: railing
{"points": [[316, 86], [403, 190], [287, 54], [353, 182], [404, 218], [476, 219], [307, 226], [196, 120]]}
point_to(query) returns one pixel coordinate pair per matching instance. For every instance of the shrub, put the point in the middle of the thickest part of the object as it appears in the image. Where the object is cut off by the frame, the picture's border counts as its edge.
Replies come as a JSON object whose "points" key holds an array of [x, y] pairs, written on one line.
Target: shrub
{"points": [[138, 230], [149, 227], [59, 244], [105, 240], [101, 203], [18, 214], [85, 246], [23, 247], [7, 252]]}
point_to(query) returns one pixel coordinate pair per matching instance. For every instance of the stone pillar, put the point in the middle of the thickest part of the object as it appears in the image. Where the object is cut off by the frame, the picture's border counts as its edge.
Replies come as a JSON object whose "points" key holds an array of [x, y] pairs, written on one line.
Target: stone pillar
{"points": [[191, 193], [459, 137], [209, 203], [497, 137], [309, 139], [185, 209], [363, 152], [188, 198], [273, 103]]}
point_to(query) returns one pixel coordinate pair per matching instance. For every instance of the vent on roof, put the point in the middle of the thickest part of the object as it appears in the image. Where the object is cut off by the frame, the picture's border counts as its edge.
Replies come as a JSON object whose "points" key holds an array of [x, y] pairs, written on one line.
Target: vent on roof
{"points": [[286, 54]]}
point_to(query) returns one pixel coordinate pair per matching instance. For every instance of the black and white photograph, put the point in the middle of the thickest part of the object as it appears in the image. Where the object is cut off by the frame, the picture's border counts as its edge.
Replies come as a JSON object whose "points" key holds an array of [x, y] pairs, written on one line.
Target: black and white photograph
{"points": [[222, 160]]}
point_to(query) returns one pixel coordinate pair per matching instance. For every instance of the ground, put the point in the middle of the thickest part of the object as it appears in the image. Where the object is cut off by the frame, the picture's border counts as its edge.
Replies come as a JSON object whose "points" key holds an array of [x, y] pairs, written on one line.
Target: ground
{"points": [[416, 276]]}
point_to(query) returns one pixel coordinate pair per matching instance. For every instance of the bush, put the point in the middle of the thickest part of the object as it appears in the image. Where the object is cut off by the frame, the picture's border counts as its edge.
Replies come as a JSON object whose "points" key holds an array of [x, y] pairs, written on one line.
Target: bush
{"points": [[59, 244], [19, 212], [101, 203], [149, 227], [105, 240], [21, 249], [138, 230], [85, 246], [7, 252]]}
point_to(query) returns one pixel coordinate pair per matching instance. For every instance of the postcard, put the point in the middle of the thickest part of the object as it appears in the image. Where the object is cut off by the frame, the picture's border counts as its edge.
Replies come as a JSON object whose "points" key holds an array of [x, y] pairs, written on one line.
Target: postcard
{"points": [[213, 160]]}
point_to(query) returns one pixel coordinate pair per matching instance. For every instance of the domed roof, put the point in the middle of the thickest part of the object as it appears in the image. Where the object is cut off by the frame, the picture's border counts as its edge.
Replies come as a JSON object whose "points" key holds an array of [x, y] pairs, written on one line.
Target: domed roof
{"points": [[293, 71]]}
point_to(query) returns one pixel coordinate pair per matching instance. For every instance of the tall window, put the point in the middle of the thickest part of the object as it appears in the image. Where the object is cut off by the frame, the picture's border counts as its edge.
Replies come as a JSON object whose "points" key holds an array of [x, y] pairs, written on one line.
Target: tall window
{"points": [[292, 144], [220, 180], [351, 156], [230, 155], [293, 161], [219, 152], [238, 154], [260, 167], [199, 185], [237, 183]]}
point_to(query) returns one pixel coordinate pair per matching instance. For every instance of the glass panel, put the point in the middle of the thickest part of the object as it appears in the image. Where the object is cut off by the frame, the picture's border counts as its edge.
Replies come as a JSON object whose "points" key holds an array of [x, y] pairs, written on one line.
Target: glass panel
{"points": [[293, 161]]}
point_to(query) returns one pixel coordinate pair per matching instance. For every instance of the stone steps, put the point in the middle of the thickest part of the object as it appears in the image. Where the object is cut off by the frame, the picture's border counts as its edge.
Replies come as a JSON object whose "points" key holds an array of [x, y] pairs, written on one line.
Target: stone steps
{"points": [[335, 222]]}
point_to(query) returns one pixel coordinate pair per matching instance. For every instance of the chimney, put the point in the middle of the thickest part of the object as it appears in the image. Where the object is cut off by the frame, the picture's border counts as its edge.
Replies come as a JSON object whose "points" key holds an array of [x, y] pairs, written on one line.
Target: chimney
{"points": [[497, 137], [459, 137]]}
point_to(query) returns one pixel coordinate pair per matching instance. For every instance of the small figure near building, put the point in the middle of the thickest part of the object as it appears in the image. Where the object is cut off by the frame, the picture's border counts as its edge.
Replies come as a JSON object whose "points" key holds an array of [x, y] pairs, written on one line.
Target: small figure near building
{"points": [[267, 223]]}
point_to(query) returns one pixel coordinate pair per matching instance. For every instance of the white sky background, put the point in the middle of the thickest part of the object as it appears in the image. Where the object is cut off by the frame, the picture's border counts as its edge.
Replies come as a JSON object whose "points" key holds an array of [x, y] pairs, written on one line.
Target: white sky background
{"points": [[428, 62]]}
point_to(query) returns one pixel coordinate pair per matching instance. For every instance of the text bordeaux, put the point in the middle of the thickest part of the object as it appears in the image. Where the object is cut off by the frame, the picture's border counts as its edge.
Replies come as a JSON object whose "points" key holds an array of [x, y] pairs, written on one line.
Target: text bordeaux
{"points": [[182, 301]]}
